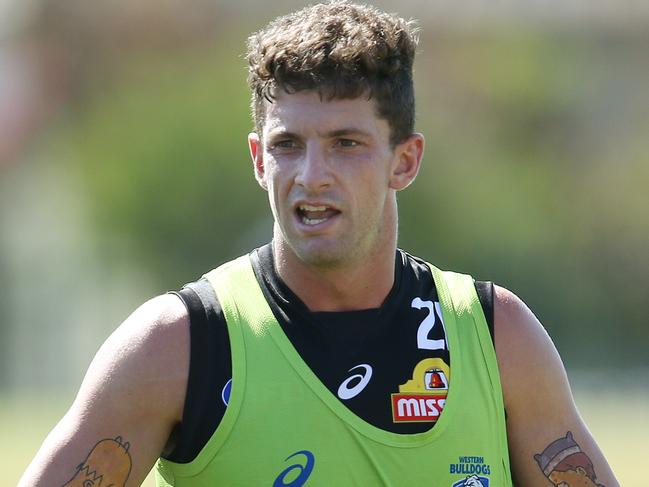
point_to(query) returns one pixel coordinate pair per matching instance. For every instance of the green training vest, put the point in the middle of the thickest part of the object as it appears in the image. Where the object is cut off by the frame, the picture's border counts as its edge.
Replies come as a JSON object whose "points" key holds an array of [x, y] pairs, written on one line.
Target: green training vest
{"points": [[283, 427]]}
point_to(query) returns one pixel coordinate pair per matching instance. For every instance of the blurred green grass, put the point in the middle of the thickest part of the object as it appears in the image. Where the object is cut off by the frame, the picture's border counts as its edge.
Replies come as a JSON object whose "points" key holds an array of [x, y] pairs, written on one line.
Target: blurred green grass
{"points": [[618, 419]]}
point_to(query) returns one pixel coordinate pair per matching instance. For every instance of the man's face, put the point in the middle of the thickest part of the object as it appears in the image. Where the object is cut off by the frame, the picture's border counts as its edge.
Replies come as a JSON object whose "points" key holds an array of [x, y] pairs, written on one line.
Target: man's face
{"points": [[329, 170]]}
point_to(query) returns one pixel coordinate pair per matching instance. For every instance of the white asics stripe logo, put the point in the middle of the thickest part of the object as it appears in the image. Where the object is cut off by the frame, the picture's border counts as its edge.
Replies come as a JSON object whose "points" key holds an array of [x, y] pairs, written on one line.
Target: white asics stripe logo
{"points": [[344, 392]]}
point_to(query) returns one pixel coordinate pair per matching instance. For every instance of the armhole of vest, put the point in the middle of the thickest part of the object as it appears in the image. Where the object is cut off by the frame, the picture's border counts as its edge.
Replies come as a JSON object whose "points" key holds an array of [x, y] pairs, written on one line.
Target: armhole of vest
{"points": [[485, 290], [209, 353], [485, 295]]}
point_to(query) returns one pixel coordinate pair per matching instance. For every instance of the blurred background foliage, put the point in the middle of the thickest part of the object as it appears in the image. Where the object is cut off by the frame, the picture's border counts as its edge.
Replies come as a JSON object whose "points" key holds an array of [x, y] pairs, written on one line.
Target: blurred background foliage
{"points": [[535, 171], [166, 173], [124, 170]]}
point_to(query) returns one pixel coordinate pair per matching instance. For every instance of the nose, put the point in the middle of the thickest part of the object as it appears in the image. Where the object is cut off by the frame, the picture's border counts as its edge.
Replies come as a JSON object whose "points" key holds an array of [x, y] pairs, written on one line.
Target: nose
{"points": [[314, 172]]}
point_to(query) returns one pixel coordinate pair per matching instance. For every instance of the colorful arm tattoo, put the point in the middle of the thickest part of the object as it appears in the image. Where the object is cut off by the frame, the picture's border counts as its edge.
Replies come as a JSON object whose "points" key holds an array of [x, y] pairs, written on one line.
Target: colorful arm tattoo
{"points": [[566, 465], [107, 464]]}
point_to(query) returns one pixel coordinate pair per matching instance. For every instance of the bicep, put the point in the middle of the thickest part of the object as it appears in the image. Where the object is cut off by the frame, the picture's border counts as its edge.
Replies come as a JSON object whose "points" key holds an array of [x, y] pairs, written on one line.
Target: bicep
{"points": [[548, 441], [128, 403]]}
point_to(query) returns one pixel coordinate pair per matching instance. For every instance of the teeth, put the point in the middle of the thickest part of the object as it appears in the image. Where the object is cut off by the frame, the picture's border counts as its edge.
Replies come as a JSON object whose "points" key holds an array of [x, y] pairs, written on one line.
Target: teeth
{"points": [[314, 214], [312, 221], [312, 208]]}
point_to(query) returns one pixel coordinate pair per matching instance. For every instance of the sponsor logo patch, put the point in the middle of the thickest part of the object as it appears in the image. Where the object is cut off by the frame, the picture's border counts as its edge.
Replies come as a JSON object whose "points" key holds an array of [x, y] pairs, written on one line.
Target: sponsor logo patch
{"points": [[422, 398]]}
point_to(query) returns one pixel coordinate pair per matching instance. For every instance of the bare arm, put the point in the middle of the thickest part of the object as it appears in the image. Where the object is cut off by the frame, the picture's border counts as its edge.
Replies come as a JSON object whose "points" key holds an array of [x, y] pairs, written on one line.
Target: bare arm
{"points": [[549, 444], [130, 399]]}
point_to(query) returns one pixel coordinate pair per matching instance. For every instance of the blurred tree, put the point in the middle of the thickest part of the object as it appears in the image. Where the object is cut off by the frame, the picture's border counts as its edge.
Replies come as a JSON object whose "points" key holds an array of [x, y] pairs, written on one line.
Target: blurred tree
{"points": [[164, 154]]}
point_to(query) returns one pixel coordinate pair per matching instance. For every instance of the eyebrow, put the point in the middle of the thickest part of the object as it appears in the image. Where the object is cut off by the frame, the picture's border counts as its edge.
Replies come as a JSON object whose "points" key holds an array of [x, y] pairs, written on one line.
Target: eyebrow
{"points": [[283, 134], [347, 131], [334, 133]]}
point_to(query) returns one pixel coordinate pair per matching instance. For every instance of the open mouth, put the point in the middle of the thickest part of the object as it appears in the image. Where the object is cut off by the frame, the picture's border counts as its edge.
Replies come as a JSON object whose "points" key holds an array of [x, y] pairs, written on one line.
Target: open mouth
{"points": [[314, 215]]}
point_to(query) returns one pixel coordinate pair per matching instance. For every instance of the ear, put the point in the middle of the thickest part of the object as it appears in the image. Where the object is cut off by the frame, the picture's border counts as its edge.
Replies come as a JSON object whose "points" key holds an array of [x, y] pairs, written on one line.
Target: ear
{"points": [[257, 156], [407, 161]]}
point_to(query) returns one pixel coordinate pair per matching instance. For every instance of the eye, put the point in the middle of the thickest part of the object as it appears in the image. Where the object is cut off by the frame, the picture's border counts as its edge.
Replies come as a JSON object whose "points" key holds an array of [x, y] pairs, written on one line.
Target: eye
{"points": [[347, 143], [283, 144], [88, 483]]}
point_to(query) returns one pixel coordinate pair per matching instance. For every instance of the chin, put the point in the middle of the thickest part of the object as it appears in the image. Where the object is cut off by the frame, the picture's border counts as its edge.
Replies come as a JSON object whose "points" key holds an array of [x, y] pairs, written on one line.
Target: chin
{"points": [[321, 254], [319, 258]]}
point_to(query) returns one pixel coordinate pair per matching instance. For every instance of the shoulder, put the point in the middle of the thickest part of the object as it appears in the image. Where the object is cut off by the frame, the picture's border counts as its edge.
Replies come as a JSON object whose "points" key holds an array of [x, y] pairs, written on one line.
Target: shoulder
{"points": [[146, 357], [530, 366], [154, 324], [160, 325]]}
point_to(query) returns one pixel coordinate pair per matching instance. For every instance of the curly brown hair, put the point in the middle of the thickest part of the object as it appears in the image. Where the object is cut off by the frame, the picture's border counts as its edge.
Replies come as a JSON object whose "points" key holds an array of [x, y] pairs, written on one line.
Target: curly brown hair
{"points": [[342, 51]]}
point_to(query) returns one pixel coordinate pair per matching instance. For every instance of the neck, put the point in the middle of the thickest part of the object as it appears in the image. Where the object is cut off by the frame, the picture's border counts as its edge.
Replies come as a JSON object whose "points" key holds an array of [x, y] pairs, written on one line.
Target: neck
{"points": [[350, 286]]}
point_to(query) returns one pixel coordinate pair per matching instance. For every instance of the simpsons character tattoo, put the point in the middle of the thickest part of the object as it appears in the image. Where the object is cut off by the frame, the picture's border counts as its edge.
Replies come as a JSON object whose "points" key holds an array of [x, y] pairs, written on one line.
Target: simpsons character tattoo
{"points": [[566, 465], [107, 465]]}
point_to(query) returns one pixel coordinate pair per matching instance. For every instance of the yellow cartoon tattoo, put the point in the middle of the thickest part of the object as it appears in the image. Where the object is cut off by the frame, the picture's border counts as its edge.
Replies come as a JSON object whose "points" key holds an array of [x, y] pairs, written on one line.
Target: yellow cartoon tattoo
{"points": [[565, 465], [107, 465]]}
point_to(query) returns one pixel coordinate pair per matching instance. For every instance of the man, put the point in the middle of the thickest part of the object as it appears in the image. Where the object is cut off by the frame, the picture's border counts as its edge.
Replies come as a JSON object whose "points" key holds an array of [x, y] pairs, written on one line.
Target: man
{"points": [[328, 357]]}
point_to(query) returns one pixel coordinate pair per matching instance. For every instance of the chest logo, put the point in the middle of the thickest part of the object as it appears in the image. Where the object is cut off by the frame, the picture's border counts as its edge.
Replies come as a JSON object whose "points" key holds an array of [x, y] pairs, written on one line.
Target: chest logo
{"points": [[422, 398], [473, 481], [297, 474], [474, 470], [346, 392]]}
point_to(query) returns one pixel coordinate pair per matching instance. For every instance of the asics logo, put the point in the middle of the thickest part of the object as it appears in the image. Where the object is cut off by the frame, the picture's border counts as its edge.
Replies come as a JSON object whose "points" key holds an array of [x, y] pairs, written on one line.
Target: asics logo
{"points": [[346, 392], [304, 471]]}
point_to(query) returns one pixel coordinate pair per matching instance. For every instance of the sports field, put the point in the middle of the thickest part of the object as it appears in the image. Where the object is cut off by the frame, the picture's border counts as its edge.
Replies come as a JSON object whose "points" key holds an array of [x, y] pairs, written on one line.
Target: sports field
{"points": [[619, 420]]}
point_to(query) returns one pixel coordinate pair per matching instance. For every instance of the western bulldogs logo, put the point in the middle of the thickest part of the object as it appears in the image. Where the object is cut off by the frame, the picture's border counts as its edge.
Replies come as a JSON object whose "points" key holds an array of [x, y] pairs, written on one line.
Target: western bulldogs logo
{"points": [[473, 469], [473, 481]]}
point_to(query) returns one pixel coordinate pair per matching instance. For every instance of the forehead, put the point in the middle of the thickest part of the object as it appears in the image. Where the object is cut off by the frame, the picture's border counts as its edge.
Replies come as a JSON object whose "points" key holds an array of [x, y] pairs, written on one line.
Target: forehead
{"points": [[305, 112]]}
